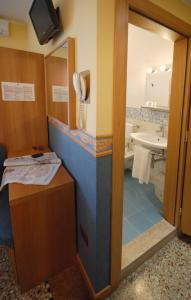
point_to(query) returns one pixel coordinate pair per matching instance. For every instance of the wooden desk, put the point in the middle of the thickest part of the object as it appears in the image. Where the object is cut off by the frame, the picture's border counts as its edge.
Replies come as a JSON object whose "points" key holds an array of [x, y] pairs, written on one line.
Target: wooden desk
{"points": [[43, 222]]}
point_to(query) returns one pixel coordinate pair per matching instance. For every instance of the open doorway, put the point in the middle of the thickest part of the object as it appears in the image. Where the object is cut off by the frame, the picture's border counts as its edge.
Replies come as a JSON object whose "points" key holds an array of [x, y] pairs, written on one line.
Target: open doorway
{"points": [[149, 73], [178, 31], [151, 100]]}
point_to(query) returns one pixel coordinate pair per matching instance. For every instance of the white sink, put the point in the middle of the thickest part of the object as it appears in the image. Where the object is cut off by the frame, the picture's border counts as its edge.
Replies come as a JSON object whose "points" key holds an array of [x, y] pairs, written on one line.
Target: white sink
{"points": [[150, 139]]}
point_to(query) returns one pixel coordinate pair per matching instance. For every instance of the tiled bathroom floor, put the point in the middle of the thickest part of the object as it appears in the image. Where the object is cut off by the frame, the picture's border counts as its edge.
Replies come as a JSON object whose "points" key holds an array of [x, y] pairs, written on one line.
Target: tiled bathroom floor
{"points": [[142, 209]]}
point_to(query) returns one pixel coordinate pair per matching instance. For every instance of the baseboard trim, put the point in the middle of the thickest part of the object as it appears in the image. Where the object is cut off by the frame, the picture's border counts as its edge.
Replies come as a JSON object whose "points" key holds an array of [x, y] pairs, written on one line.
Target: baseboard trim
{"points": [[92, 293]]}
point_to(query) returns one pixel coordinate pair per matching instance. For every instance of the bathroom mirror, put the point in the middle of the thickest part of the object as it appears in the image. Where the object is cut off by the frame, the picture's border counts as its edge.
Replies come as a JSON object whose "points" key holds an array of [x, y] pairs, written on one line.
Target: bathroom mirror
{"points": [[60, 66], [158, 86]]}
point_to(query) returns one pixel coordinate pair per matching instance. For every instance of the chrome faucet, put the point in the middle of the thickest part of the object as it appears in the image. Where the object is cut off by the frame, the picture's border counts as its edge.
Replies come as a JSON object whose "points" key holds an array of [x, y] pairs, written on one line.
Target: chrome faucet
{"points": [[162, 129]]}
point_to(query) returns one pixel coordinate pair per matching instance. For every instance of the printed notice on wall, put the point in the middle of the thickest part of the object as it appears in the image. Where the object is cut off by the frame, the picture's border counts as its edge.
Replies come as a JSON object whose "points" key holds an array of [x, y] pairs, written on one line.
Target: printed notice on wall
{"points": [[13, 91], [60, 93]]}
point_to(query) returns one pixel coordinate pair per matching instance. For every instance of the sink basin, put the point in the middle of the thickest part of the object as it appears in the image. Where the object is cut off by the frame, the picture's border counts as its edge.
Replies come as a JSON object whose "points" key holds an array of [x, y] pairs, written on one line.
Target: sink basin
{"points": [[150, 139]]}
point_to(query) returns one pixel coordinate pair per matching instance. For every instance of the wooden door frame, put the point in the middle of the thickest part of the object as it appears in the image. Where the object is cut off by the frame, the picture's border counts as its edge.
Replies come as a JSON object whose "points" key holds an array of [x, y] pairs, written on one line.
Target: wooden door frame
{"points": [[183, 146], [161, 16]]}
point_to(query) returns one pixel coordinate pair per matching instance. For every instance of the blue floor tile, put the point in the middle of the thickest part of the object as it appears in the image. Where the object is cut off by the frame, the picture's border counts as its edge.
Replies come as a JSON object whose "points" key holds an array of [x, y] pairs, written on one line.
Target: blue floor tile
{"points": [[141, 210], [140, 222], [157, 204], [129, 232], [129, 209], [141, 202], [152, 214]]}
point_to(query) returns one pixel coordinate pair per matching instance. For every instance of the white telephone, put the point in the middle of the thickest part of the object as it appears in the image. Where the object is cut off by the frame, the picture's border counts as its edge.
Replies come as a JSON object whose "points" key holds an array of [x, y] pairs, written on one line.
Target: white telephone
{"points": [[80, 86]]}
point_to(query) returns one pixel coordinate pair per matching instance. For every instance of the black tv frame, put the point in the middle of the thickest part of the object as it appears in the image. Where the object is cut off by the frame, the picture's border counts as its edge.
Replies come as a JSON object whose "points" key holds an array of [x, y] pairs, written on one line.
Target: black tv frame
{"points": [[55, 17]]}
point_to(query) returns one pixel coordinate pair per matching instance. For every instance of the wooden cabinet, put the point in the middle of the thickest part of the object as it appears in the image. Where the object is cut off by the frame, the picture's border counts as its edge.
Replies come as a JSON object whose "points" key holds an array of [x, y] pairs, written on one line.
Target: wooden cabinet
{"points": [[43, 221]]}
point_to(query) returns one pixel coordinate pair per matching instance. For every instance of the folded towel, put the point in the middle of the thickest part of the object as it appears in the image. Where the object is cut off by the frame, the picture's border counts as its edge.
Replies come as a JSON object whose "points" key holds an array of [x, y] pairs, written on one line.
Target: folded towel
{"points": [[142, 164]]}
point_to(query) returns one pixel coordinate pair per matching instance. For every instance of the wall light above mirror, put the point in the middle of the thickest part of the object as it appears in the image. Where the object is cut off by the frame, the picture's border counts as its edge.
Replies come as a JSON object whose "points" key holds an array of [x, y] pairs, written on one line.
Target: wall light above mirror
{"points": [[158, 86], [146, 53], [60, 66]]}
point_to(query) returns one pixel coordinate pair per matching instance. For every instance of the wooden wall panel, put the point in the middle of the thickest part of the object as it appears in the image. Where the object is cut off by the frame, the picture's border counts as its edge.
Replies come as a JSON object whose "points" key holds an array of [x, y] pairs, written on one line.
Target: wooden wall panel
{"points": [[23, 124], [56, 74]]}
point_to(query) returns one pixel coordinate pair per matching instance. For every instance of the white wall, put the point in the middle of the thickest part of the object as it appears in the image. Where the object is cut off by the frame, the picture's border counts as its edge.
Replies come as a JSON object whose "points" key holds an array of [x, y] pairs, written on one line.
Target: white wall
{"points": [[79, 19], [145, 49], [17, 38]]}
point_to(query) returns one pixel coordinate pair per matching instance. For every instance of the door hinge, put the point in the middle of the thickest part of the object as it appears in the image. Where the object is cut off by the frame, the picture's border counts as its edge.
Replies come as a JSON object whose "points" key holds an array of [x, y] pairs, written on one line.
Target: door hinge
{"points": [[187, 136], [180, 211]]}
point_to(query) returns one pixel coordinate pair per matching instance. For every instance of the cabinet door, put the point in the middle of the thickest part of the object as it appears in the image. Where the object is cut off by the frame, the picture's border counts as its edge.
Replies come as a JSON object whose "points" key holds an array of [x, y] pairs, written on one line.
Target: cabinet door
{"points": [[186, 205], [44, 233]]}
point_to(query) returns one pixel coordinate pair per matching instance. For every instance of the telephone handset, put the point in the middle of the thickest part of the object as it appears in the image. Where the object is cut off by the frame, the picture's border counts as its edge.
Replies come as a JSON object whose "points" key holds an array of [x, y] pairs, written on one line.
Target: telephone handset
{"points": [[80, 87], [83, 88], [81, 82], [76, 83]]}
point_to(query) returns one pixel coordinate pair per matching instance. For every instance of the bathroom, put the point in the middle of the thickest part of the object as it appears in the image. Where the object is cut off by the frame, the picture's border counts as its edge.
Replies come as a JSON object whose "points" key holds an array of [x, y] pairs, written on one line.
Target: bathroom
{"points": [[146, 130]]}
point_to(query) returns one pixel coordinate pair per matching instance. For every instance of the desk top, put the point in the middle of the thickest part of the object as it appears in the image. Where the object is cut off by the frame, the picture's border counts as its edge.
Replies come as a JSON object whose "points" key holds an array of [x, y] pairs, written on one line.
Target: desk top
{"points": [[18, 191]]}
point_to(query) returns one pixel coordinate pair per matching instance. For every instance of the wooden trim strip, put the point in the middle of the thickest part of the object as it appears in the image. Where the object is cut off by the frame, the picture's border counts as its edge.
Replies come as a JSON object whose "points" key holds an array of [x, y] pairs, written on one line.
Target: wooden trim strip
{"points": [[70, 71], [119, 114], [175, 126], [97, 135], [72, 95], [160, 15], [60, 44], [185, 126], [93, 295], [147, 24], [96, 146]]}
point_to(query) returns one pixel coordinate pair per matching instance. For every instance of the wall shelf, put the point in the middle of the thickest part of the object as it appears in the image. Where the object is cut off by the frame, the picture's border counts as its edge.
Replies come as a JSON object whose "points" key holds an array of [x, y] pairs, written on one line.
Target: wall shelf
{"points": [[159, 108]]}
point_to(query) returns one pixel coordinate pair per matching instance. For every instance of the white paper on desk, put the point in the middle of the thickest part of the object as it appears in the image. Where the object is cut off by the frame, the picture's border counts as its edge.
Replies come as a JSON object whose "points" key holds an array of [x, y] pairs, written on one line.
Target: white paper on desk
{"points": [[33, 174], [46, 158]]}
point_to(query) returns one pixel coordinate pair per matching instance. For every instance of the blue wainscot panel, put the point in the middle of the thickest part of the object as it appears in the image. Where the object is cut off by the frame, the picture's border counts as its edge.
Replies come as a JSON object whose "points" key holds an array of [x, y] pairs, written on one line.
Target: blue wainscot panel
{"points": [[93, 198]]}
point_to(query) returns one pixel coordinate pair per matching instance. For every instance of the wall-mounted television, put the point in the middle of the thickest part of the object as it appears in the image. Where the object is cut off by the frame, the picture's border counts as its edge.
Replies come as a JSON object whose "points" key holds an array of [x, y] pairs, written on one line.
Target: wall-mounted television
{"points": [[45, 19]]}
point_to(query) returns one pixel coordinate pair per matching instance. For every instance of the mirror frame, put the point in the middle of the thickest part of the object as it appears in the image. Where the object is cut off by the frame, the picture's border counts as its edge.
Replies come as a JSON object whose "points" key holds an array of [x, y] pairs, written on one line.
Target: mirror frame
{"points": [[70, 70]]}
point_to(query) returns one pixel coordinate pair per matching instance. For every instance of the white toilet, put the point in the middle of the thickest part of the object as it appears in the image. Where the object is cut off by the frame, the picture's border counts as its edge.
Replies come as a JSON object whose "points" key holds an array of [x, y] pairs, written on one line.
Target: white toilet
{"points": [[129, 154]]}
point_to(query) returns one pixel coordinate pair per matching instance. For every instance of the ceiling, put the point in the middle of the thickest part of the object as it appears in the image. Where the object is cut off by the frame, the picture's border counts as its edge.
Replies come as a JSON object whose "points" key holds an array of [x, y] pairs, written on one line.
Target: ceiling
{"points": [[15, 9]]}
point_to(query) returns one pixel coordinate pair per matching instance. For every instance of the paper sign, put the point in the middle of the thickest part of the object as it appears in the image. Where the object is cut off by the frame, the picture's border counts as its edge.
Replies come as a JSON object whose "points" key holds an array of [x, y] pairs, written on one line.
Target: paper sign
{"points": [[60, 93], [13, 91]]}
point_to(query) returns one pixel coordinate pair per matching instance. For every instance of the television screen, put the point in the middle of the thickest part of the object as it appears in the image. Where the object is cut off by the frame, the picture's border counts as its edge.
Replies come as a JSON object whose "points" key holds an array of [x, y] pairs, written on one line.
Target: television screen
{"points": [[45, 20]]}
